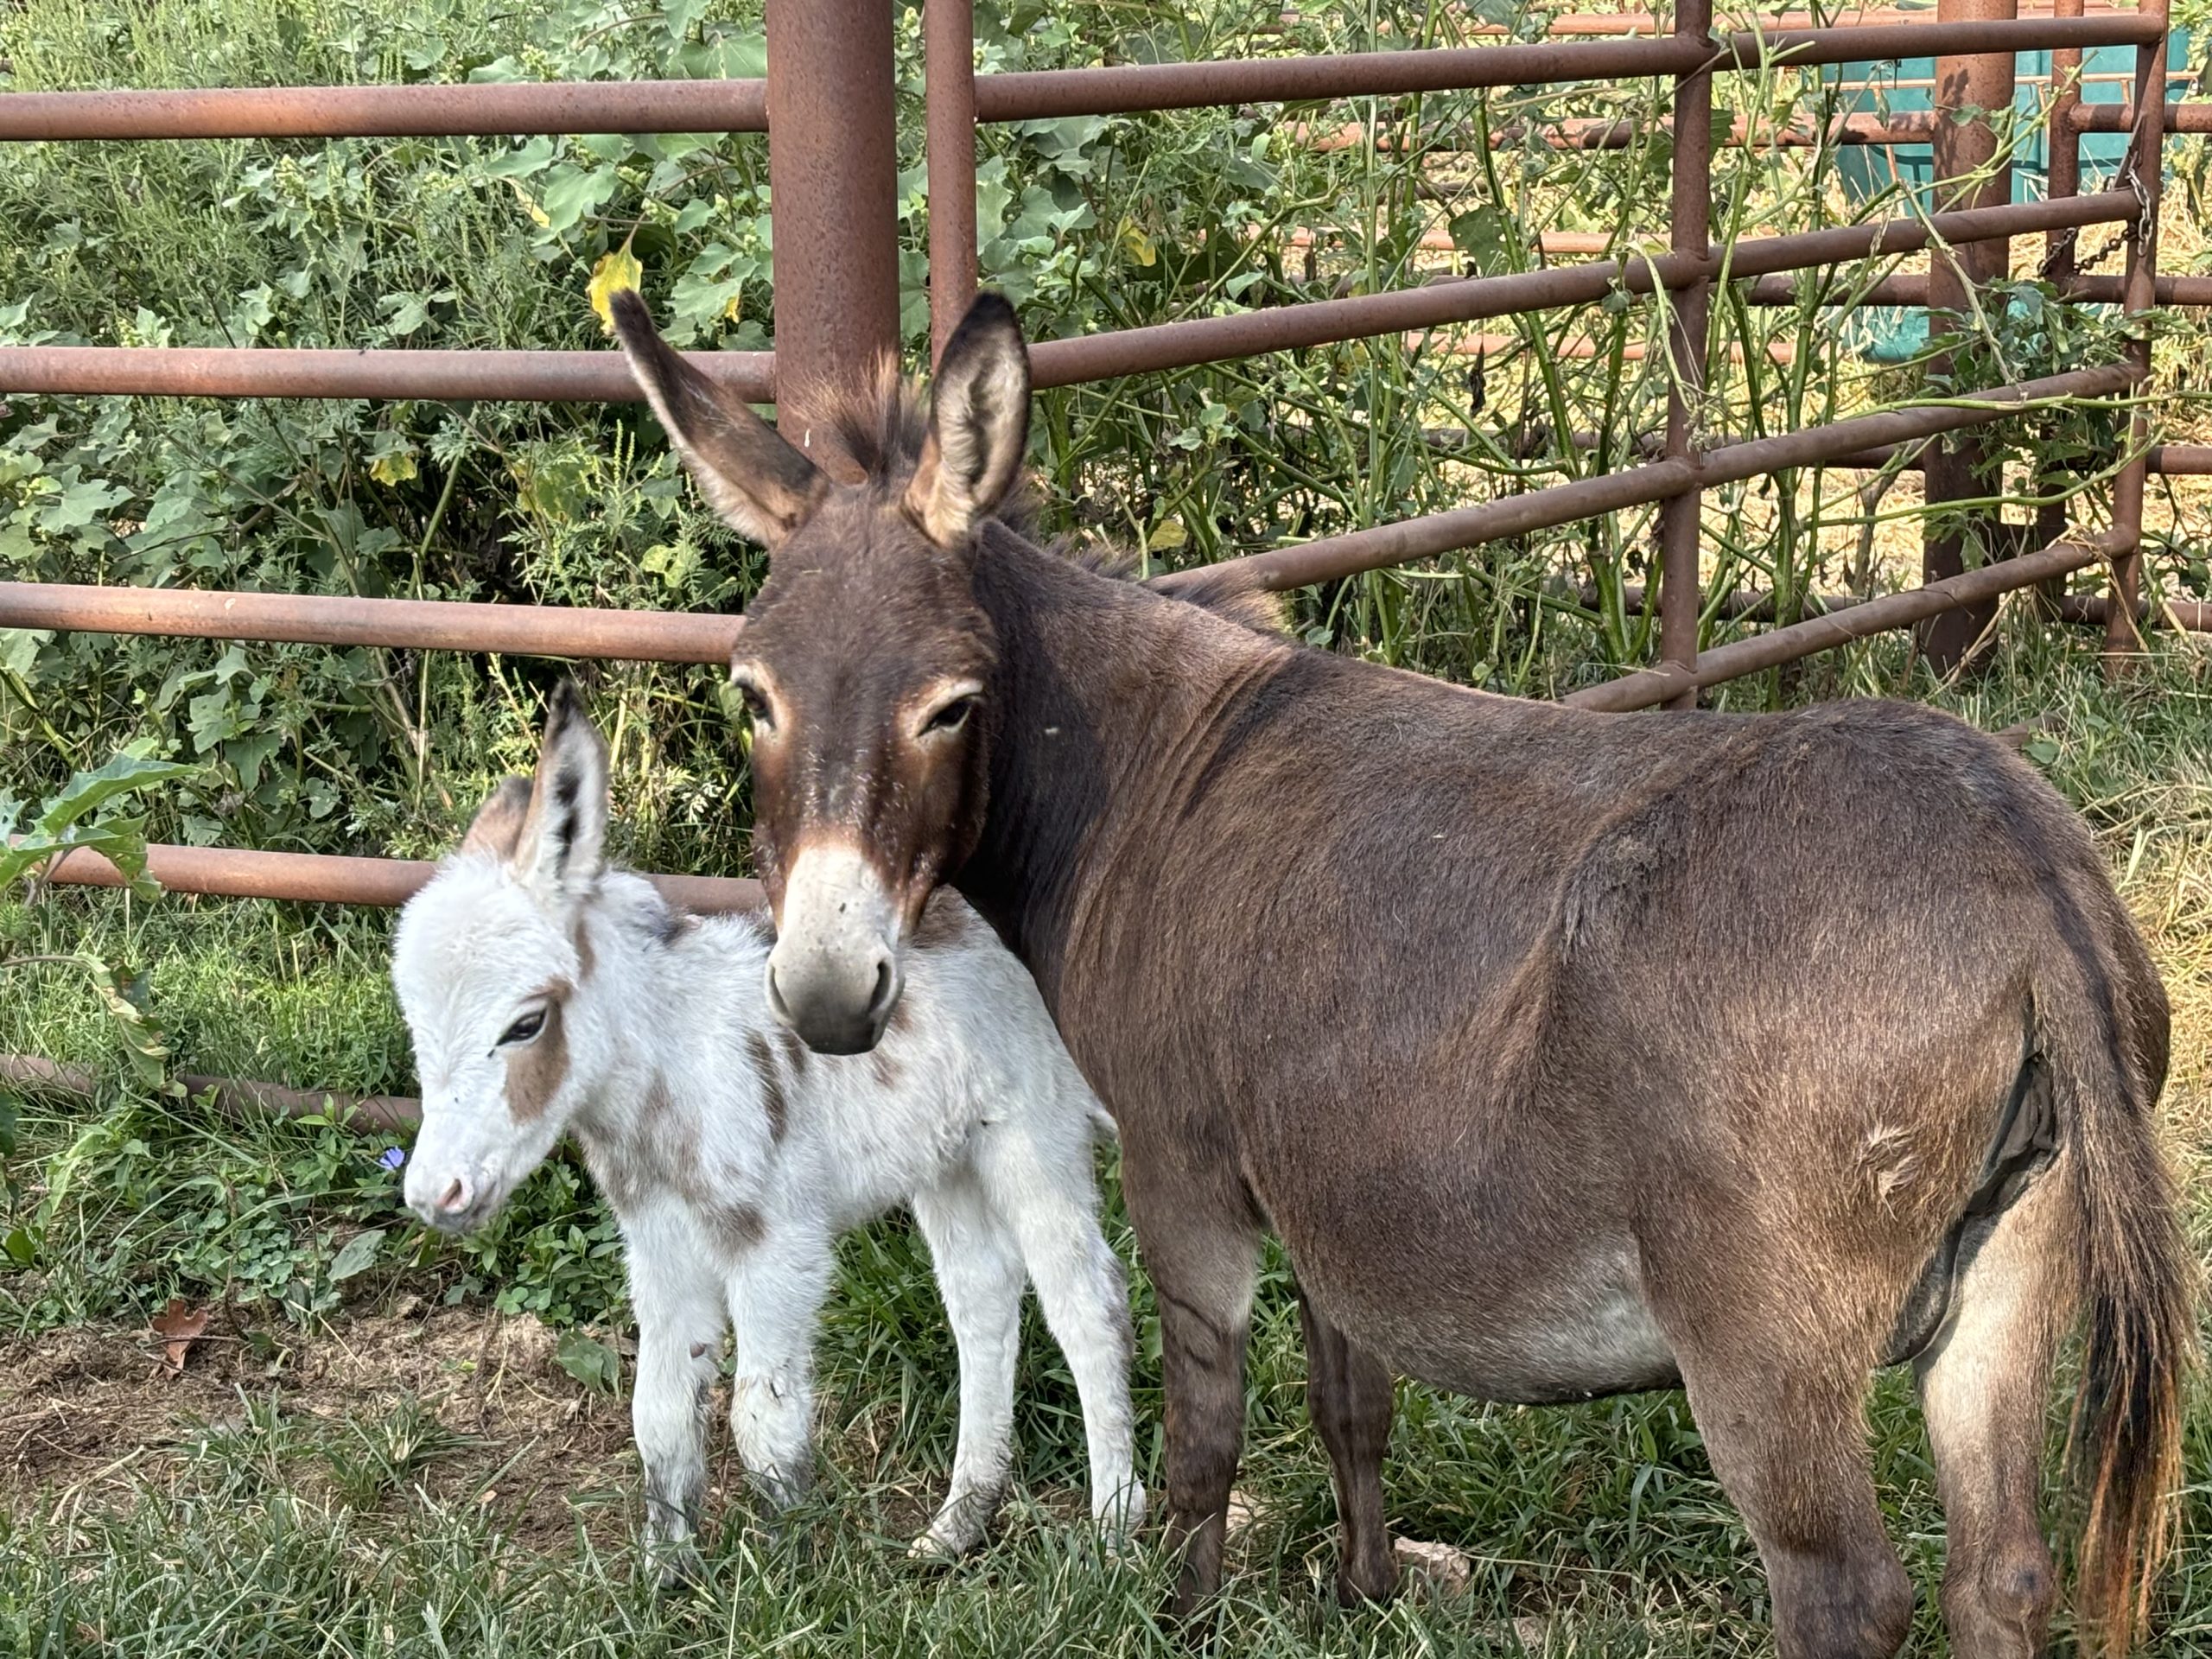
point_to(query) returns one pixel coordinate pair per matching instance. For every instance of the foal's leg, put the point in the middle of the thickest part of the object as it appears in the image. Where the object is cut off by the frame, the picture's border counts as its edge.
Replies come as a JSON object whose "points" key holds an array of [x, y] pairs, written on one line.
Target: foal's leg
{"points": [[1984, 1389], [1046, 1197], [680, 1324], [1348, 1396], [1199, 1238], [775, 1302], [1780, 1403], [979, 1276]]}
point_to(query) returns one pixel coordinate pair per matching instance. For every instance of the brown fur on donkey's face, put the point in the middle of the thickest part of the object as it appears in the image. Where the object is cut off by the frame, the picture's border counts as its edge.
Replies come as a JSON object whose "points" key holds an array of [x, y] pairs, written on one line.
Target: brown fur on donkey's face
{"points": [[867, 719], [1566, 1053]]}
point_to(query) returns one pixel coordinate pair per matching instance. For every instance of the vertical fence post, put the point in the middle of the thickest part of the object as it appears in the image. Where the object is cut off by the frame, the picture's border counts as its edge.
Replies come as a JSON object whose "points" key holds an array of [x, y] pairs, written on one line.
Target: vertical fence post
{"points": [[833, 178], [1967, 91], [1682, 588], [949, 49], [2063, 173], [2144, 174]]}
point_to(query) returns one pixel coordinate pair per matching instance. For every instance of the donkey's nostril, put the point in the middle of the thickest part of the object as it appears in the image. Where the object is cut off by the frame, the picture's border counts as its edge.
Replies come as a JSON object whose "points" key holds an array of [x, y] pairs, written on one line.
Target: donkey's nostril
{"points": [[886, 993], [455, 1198]]}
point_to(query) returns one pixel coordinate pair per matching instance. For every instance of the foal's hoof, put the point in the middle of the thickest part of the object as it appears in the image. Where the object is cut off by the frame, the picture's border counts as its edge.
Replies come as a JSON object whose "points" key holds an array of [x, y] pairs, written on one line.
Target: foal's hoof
{"points": [[677, 1569]]}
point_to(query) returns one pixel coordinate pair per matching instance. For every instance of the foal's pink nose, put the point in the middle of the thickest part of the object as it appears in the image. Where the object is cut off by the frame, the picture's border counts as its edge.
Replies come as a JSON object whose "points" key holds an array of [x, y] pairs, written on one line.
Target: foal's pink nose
{"points": [[456, 1197]]}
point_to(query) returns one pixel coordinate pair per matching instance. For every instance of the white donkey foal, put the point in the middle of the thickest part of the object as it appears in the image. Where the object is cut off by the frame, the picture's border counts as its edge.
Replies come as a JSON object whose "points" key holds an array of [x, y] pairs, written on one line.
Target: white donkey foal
{"points": [[546, 992]]}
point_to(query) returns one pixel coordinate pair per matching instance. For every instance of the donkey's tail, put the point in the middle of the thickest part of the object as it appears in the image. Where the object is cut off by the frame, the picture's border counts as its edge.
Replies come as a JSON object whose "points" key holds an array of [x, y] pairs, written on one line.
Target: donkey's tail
{"points": [[2138, 1290]]}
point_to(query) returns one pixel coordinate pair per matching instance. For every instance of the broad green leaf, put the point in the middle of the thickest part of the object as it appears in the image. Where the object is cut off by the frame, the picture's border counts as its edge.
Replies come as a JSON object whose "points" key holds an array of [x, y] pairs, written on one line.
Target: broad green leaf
{"points": [[358, 1254], [89, 791], [591, 1361]]}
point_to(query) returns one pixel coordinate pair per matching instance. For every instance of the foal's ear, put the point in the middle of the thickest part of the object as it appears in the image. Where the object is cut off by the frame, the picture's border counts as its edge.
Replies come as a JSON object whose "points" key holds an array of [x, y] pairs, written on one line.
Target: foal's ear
{"points": [[979, 425], [764, 488], [558, 852], [497, 827]]}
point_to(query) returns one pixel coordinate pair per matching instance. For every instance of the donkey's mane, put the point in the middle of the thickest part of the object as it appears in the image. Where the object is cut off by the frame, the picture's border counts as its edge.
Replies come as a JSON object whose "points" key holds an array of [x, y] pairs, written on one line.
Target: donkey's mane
{"points": [[882, 422]]}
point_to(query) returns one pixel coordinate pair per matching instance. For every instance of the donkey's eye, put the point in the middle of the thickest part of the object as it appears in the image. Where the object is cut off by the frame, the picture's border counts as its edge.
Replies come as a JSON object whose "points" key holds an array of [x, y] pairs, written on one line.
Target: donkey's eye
{"points": [[756, 706], [525, 1028], [951, 717]]}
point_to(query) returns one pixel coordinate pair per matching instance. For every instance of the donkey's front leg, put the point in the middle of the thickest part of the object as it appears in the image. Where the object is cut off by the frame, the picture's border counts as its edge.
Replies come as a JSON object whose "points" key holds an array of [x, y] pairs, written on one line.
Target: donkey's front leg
{"points": [[680, 1326], [776, 1292], [1199, 1235], [979, 1276]]}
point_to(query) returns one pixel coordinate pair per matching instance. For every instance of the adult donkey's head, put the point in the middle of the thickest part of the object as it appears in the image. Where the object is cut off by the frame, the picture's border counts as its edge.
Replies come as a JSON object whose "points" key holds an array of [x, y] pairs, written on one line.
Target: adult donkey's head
{"points": [[864, 658]]}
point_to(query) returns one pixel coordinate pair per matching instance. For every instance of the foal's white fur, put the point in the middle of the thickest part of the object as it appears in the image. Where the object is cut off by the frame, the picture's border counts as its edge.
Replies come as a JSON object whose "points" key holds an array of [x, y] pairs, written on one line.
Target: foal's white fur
{"points": [[546, 993]]}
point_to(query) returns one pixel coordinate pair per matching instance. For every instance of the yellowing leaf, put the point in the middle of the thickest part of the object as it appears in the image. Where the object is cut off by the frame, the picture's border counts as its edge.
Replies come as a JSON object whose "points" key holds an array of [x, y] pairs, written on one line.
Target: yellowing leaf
{"points": [[1137, 244], [395, 468], [1166, 536], [615, 273]]}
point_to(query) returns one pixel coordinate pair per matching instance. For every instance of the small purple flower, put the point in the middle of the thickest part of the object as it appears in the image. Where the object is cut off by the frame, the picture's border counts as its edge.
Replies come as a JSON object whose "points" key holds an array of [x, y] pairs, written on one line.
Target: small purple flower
{"points": [[393, 1158]]}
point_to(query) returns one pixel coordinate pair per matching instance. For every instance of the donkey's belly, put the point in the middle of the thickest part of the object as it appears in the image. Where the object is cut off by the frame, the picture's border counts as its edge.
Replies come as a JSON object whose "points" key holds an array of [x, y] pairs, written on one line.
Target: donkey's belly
{"points": [[1573, 1334]]}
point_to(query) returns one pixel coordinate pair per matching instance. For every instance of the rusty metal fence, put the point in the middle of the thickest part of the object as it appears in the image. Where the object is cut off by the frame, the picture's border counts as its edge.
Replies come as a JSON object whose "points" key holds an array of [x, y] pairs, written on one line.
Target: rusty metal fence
{"points": [[828, 106]]}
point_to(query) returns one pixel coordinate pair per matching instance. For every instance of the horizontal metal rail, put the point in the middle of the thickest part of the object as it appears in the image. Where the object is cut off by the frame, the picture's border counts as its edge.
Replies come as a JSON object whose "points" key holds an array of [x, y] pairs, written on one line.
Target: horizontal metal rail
{"points": [[1746, 606], [457, 377], [2120, 118], [1320, 322], [400, 624], [1647, 687], [1330, 558], [38, 1075], [511, 107], [325, 878], [604, 377], [491, 109], [1129, 89]]}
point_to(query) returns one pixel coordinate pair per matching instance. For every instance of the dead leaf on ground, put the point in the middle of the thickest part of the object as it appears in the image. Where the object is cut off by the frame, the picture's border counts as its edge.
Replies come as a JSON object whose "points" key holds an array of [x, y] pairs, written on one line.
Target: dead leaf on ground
{"points": [[179, 1326]]}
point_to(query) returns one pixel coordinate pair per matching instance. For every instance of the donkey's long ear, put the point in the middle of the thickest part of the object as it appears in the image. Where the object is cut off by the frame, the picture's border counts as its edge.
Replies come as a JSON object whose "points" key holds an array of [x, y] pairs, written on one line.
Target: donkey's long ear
{"points": [[559, 850], [497, 827], [763, 486], [979, 425]]}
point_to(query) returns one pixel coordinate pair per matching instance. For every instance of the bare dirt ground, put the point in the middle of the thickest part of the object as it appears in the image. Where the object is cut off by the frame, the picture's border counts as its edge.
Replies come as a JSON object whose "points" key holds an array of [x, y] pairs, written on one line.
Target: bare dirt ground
{"points": [[86, 1411]]}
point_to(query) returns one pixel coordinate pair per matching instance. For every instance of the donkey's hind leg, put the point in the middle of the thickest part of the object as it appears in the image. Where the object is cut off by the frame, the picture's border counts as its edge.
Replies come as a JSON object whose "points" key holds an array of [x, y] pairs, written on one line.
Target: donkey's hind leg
{"points": [[1787, 1438], [1776, 1354], [1984, 1387], [1348, 1397]]}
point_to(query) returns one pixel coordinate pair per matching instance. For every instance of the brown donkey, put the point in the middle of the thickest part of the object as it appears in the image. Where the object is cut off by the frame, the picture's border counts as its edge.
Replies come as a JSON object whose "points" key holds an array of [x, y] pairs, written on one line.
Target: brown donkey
{"points": [[1567, 1054]]}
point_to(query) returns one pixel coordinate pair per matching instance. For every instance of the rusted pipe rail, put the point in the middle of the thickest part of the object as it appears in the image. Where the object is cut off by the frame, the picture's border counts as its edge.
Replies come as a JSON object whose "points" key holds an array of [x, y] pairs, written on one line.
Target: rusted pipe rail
{"points": [[497, 109], [1650, 686], [1321, 322], [1334, 557], [400, 623], [323, 878], [1128, 89], [260, 372], [33, 1074]]}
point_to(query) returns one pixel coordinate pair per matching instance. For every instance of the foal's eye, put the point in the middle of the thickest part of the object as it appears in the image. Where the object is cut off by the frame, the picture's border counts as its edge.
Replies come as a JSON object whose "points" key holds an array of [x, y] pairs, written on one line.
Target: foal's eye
{"points": [[953, 717], [525, 1028]]}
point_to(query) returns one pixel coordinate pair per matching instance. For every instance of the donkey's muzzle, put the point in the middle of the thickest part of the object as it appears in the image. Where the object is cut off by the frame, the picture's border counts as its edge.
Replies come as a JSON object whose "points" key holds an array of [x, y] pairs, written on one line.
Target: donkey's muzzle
{"points": [[825, 1012], [833, 977]]}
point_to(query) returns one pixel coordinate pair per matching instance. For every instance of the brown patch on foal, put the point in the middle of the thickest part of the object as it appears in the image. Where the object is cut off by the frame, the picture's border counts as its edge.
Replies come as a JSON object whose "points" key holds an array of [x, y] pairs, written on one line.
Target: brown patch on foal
{"points": [[886, 1068], [771, 1084], [737, 1227], [536, 1072]]}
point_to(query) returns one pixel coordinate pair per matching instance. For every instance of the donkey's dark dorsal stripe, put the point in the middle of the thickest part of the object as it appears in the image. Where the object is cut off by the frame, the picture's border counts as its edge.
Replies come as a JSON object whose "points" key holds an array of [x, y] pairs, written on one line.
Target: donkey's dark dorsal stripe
{"points": [[1567, 1052]]}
